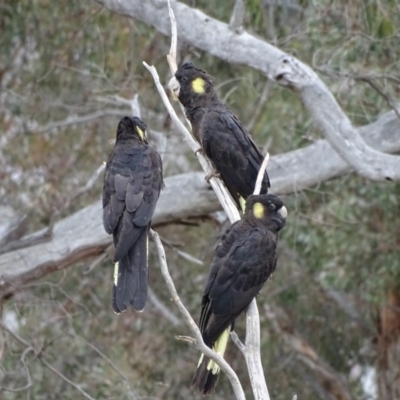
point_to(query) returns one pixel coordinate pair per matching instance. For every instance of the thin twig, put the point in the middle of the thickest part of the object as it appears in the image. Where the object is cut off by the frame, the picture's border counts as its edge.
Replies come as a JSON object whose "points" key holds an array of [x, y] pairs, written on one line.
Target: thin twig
{"points": [[29, 379], [181, 253], [97, 261], [334, 123], [88, 186], [42, 236], [105, 358], [162, 308], [188, 257], [14, 335], [39, 356], [230, 373], [239, 344], [78, 119], [64, 378], [259, 106], [387, 98]]}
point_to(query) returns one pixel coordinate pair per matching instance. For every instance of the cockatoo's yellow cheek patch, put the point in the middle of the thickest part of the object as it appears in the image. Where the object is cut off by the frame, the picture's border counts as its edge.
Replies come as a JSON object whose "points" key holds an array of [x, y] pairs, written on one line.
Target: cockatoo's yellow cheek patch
{"points": [[258, 210], [199, 85]]}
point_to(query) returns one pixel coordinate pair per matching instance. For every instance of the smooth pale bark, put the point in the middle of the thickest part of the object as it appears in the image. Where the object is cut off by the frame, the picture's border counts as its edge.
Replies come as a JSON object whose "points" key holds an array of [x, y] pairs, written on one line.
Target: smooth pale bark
{"points": [[81, 235], [240, 47]]}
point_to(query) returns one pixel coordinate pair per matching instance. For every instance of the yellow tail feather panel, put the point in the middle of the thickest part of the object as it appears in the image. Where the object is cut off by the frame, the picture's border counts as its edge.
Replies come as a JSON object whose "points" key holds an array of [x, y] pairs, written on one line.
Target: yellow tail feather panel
{"points": [[219, 347]]}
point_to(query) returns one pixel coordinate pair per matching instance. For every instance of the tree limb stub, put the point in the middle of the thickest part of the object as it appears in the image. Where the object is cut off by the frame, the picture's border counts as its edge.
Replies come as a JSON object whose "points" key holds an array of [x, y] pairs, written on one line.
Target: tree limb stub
{"points": [[81, 235], [217, 39]]}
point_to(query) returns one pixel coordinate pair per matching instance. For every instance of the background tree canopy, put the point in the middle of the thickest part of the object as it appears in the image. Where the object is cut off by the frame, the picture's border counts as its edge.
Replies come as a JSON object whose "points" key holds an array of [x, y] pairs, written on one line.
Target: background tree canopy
{"points": [[330, 320]]}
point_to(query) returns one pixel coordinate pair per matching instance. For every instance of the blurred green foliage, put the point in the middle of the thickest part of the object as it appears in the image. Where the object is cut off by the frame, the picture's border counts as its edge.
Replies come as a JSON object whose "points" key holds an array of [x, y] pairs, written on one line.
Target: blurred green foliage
{"points": [[59, 59]]}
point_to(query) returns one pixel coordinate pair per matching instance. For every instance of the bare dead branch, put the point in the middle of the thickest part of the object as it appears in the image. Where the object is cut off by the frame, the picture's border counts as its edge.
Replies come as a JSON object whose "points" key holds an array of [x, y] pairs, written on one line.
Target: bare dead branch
{"points": [[187, 137], [253, 359], [334, 123], [371, 79], [252, 353], [79, 119], [97, 261], [230, 373], [222, 194], [260, 175], [38, 238], [181, 253], [12, 227], [171, 56], [357, 77], [216, 38], [252, 349], [81, 235], [371, 82]]}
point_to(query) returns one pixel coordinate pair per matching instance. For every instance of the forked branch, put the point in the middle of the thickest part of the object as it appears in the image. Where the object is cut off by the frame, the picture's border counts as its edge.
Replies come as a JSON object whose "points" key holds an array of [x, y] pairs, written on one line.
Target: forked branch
{"points": [[252, 349], [198, 342]]}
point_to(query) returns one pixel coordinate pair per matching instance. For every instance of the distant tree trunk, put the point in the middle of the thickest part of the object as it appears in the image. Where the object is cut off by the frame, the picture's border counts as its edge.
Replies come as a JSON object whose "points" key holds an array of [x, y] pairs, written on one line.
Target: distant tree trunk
{"points": [[389, 348]]}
